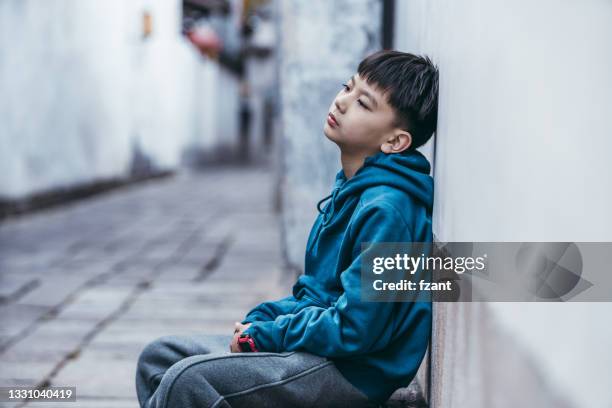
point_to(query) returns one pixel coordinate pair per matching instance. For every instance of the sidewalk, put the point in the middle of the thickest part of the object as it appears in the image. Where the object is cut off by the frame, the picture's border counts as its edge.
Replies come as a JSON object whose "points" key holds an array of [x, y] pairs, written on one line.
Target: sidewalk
{"points": [[84, 287]]}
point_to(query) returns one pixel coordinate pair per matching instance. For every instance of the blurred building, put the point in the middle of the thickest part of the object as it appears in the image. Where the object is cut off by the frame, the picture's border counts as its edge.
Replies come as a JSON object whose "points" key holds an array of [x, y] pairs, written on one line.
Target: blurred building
{"points": [[103, 92]]}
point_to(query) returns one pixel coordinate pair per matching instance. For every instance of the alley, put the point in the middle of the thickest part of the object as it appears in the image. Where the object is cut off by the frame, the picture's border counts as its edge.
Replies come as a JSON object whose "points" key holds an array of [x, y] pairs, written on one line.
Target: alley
{"points": [[83, 287]]}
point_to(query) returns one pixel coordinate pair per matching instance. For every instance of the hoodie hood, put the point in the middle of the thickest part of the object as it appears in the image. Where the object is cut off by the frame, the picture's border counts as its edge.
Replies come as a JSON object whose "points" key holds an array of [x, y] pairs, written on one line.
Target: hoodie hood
{"points": [[407, 171]]}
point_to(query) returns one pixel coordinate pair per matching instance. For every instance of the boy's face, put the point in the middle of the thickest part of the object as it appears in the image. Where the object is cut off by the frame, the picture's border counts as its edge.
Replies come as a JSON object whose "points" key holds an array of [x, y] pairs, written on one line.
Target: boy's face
{"points": [[361, 121]]}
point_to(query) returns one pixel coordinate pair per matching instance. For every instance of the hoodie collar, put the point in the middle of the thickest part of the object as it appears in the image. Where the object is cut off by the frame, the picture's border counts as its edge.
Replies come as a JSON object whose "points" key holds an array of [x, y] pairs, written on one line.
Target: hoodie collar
{"points": [[407, 171]]}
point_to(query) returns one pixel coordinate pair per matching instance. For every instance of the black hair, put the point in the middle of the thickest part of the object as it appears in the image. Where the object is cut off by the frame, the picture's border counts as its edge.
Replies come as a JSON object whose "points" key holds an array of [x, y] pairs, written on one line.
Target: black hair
{"points": [[410, 83]]}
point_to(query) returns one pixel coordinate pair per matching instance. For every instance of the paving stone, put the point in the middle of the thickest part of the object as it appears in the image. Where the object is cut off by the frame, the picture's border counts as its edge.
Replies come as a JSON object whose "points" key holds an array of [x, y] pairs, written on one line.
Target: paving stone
{"points": [[13, 285], [87, 402], [29, 260], [159, 251], [10, 382], [51, 339], [130, 275], [97, 255], [51, 292], [145, 311], [98, 373], [9, 405], [25, 372], [14, 318], [115, 348], [95, 304], [145, 331], [178, 273], [195, 303]]}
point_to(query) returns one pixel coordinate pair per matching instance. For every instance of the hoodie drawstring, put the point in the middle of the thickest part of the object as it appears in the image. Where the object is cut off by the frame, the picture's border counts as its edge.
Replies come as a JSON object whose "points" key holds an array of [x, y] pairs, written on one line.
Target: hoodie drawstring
{"points": [[322, 201], [327, 215]]}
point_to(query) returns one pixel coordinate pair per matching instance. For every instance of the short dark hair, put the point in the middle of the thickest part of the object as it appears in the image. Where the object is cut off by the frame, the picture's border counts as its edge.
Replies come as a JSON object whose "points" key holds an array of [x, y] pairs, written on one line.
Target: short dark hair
{"points": [[410, 83]]}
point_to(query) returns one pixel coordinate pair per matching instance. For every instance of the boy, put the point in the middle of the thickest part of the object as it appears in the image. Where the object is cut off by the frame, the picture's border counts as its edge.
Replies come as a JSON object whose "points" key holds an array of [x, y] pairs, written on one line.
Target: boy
{"points": [[322, 346]]}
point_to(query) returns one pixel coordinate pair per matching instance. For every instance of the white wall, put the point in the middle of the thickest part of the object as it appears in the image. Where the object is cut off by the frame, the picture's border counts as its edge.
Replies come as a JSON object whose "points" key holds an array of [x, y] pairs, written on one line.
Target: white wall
{"points": [[216, 110], [81, 87], [521, 155]]}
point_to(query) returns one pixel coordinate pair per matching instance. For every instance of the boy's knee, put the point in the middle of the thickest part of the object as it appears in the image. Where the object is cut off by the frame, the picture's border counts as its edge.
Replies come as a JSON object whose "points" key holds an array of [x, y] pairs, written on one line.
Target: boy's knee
{"points": [[186, 385], [156, 350]]}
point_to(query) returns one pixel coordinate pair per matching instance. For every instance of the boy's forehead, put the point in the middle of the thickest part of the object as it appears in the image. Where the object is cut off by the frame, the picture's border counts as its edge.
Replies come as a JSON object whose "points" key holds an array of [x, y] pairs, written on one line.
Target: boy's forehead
{"points": [[371, 88], [362, 82]]}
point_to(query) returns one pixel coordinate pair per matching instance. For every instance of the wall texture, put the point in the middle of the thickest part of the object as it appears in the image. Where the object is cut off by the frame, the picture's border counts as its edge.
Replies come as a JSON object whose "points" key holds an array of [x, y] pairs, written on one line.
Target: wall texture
{"points": [[322, 44], [521, 155], [83, 92]]}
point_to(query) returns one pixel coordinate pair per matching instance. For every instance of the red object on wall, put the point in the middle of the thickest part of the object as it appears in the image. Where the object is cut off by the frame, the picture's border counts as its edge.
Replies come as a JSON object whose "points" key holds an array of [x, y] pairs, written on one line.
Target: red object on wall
{"points": [[206, 41]]}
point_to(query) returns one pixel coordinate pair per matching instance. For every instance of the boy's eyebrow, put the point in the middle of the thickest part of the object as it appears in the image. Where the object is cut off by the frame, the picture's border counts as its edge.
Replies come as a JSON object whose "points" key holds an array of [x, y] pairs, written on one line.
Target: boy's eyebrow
{"points": [[366, 93]]}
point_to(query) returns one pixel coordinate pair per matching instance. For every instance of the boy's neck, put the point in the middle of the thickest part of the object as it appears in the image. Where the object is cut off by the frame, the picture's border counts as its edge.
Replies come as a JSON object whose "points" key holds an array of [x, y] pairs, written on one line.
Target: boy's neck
{"points": [[351, 162]]}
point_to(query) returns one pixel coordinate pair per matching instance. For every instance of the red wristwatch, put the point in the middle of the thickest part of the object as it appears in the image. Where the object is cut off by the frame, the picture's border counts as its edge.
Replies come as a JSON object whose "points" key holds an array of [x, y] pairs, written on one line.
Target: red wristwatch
{"points": [[247, 344]]}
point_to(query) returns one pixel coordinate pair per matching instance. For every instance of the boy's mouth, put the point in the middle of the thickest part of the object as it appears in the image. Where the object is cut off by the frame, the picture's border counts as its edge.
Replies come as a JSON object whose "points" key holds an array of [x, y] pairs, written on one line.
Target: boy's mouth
{"points": [[331, 120]]}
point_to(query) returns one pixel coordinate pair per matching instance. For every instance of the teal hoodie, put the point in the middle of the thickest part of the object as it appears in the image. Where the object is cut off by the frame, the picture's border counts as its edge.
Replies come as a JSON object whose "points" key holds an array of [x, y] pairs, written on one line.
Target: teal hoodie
{"points": [[377, 346]]}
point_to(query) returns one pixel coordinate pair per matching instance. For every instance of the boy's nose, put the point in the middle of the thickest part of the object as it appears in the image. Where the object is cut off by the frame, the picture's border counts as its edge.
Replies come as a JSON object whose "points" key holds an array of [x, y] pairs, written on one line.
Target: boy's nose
{"points": [[340, 105]]}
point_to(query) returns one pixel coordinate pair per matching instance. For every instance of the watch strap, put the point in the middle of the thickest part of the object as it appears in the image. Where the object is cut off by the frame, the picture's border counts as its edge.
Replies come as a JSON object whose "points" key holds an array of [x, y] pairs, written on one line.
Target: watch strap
{"points": [[247, 344]]}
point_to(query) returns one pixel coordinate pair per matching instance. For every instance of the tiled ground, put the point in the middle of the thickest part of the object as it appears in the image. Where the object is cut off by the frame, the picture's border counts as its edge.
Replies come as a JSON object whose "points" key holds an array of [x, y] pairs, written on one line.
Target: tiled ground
{"points": [[85, 286]]}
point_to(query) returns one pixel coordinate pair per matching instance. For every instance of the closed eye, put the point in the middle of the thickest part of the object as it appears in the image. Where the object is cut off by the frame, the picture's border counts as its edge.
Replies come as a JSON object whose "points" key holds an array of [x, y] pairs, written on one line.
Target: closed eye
{"points": [[363, 105]]}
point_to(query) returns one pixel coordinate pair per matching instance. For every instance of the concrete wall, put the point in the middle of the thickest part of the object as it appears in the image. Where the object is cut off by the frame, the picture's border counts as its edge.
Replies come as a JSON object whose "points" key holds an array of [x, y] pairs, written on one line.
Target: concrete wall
{"points": [[322, 43], [521, 155], [83, 92]]}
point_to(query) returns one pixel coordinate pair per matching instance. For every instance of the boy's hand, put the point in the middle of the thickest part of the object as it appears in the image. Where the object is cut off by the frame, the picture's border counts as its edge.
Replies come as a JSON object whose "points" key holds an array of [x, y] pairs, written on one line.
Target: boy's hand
{"points": [[239, 328]]}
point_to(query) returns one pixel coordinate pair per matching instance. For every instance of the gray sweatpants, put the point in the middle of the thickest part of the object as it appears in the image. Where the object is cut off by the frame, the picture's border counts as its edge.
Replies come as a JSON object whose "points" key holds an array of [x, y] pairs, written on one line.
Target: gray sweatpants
{"points": [[200, 372]]}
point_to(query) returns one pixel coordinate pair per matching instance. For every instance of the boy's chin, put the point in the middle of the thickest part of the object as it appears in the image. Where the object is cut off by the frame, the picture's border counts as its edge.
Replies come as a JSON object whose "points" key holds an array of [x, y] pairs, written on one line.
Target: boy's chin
{"points": [[329, 133]]}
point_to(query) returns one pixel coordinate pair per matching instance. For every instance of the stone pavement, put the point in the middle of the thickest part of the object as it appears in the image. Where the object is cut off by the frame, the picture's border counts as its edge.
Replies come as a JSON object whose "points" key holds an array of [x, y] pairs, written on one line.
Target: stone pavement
{"points": [[85, 286]]}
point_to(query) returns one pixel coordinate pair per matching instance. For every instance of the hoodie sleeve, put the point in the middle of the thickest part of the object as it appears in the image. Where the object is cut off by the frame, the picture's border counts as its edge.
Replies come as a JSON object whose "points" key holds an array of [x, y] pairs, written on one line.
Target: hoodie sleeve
{"points": [[350, 326], [267, 311]]}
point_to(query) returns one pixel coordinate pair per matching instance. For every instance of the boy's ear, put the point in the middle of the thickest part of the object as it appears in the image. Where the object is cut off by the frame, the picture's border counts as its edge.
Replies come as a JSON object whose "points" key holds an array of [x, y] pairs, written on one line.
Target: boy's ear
{"points": [[400, 141]]}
